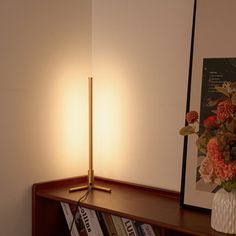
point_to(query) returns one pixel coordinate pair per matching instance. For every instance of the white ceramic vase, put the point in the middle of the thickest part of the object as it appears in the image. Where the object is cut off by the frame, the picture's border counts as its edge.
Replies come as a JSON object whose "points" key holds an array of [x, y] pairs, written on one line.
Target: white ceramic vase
{"points": [[223, 215]]}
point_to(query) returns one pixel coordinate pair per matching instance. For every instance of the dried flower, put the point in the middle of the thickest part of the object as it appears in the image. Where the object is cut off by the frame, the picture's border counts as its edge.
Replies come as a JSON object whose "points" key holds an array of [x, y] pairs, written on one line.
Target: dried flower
{"points": [[225, 110], [227, 86], [191, 117], [206, 171], [224, 172], [211, 122]]}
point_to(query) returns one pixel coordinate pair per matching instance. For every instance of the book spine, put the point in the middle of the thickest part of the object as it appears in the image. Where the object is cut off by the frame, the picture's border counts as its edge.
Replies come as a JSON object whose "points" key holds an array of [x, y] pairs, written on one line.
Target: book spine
{"points": [[109, 224], [147, 230], [102, 223], [120, 229], [91, 222], [129, 227], [157, 230], [69, 218], [138, 228], [78, 221]]}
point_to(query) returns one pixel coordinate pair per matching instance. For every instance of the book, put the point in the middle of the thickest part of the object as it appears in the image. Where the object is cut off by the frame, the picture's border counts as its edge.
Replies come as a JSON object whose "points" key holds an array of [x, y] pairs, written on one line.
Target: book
{"points": [[120, 229], [144, 229], [91, 222], [138, 228], [78, 221], [129, 227], [156, 230], [109, 224], [102, 223], [147, 230], [69, 218]]}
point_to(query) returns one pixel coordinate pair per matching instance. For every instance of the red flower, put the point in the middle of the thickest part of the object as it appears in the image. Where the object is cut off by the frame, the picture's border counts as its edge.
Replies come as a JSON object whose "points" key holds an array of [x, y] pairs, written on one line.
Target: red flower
{"points": [[211, 122], [225, 110], [191, 117]]}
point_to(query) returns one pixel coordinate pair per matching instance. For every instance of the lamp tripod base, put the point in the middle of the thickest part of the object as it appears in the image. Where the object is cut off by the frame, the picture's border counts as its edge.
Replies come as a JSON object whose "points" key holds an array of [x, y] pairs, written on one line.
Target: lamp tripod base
{"points": [[90, 185]]}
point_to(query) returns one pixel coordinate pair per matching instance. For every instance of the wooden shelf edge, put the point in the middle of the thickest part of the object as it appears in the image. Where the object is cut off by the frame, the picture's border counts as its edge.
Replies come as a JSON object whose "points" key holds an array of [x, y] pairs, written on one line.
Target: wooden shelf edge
{"points": [[160, 191], [74, 181]]}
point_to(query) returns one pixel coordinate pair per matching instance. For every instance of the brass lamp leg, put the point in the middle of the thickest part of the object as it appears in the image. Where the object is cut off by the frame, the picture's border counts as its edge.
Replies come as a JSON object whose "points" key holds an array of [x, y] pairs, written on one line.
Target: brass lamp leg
{"points": [[101, 188], [78, 188]]}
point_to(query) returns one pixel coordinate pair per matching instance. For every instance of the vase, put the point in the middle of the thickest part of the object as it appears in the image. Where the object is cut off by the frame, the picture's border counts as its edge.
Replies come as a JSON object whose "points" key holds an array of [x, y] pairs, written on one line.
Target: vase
{"points": [[223, 215]]}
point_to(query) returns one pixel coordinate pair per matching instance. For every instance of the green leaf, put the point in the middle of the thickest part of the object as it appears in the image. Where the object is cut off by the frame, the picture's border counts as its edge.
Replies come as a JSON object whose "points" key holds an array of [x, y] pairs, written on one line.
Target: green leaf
{"points": [[233, 99], [202, 142], [187, 130], [231, 126], [214, 111], [229, 185], [212, 103], [226, 157], [222, 90], [233, 85]]}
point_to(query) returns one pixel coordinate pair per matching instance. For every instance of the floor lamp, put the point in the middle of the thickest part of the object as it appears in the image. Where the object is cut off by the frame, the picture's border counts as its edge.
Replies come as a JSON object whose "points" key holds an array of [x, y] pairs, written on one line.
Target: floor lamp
{"points": [[90, 184]]}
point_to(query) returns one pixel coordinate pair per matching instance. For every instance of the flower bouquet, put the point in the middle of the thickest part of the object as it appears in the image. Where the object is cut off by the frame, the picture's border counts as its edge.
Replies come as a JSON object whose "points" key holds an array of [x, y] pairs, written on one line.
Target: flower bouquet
{"points": [[217, 138]]}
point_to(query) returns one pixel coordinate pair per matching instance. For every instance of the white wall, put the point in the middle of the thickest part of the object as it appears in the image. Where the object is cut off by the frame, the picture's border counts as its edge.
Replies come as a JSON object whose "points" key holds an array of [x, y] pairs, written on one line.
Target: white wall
{"points": [[140, 63], [44, 57]]}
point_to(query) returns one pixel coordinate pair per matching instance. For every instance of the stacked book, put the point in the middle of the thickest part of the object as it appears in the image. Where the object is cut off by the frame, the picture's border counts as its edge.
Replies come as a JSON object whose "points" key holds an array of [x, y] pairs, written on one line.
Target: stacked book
{"points": [[89, 222]]}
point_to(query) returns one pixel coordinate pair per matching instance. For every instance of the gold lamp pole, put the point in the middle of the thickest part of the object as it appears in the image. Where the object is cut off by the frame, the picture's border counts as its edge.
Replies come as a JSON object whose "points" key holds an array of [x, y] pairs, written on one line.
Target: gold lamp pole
{"points": [[90, 184]]}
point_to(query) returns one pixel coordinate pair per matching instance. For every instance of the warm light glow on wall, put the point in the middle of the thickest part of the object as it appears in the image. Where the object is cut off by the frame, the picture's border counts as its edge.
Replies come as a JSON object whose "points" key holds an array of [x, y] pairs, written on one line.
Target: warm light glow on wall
{"points": [[68, 114], [111, 111], [75, 122], [106, 117]]}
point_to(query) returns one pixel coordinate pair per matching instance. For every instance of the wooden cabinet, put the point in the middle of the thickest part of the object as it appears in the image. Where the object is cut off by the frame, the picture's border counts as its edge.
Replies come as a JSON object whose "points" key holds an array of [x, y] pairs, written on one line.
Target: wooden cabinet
{"points": [[141, 203]]}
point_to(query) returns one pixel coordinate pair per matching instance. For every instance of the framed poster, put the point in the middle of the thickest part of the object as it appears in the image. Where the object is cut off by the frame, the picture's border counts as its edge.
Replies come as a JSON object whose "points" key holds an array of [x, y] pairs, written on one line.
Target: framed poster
{"points": [[212, 63]]}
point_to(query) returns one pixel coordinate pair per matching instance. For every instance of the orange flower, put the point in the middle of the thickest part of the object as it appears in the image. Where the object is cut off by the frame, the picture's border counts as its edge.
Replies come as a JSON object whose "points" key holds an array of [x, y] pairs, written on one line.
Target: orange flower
{"points": [[224, 172]]}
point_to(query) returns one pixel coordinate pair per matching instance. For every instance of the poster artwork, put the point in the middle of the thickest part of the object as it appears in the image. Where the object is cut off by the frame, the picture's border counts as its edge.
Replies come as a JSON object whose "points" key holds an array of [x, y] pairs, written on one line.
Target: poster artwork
{"points": [[216, 71]]}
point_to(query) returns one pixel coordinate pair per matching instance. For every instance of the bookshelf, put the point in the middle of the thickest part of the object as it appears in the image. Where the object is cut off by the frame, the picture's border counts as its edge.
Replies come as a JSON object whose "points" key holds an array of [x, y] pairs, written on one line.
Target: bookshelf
{"points": [[141, 203]]}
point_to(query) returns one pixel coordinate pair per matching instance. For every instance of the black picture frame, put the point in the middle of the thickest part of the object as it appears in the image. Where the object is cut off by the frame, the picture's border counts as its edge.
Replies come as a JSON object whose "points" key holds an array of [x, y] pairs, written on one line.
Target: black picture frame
{"points": [[212, 41]]}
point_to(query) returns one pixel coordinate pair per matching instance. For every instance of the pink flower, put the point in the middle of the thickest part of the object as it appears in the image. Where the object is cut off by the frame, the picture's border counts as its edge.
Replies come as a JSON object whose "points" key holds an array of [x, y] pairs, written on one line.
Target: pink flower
{"points": [[191, 117], [224, 172], [207, 173], [225, 110]]}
